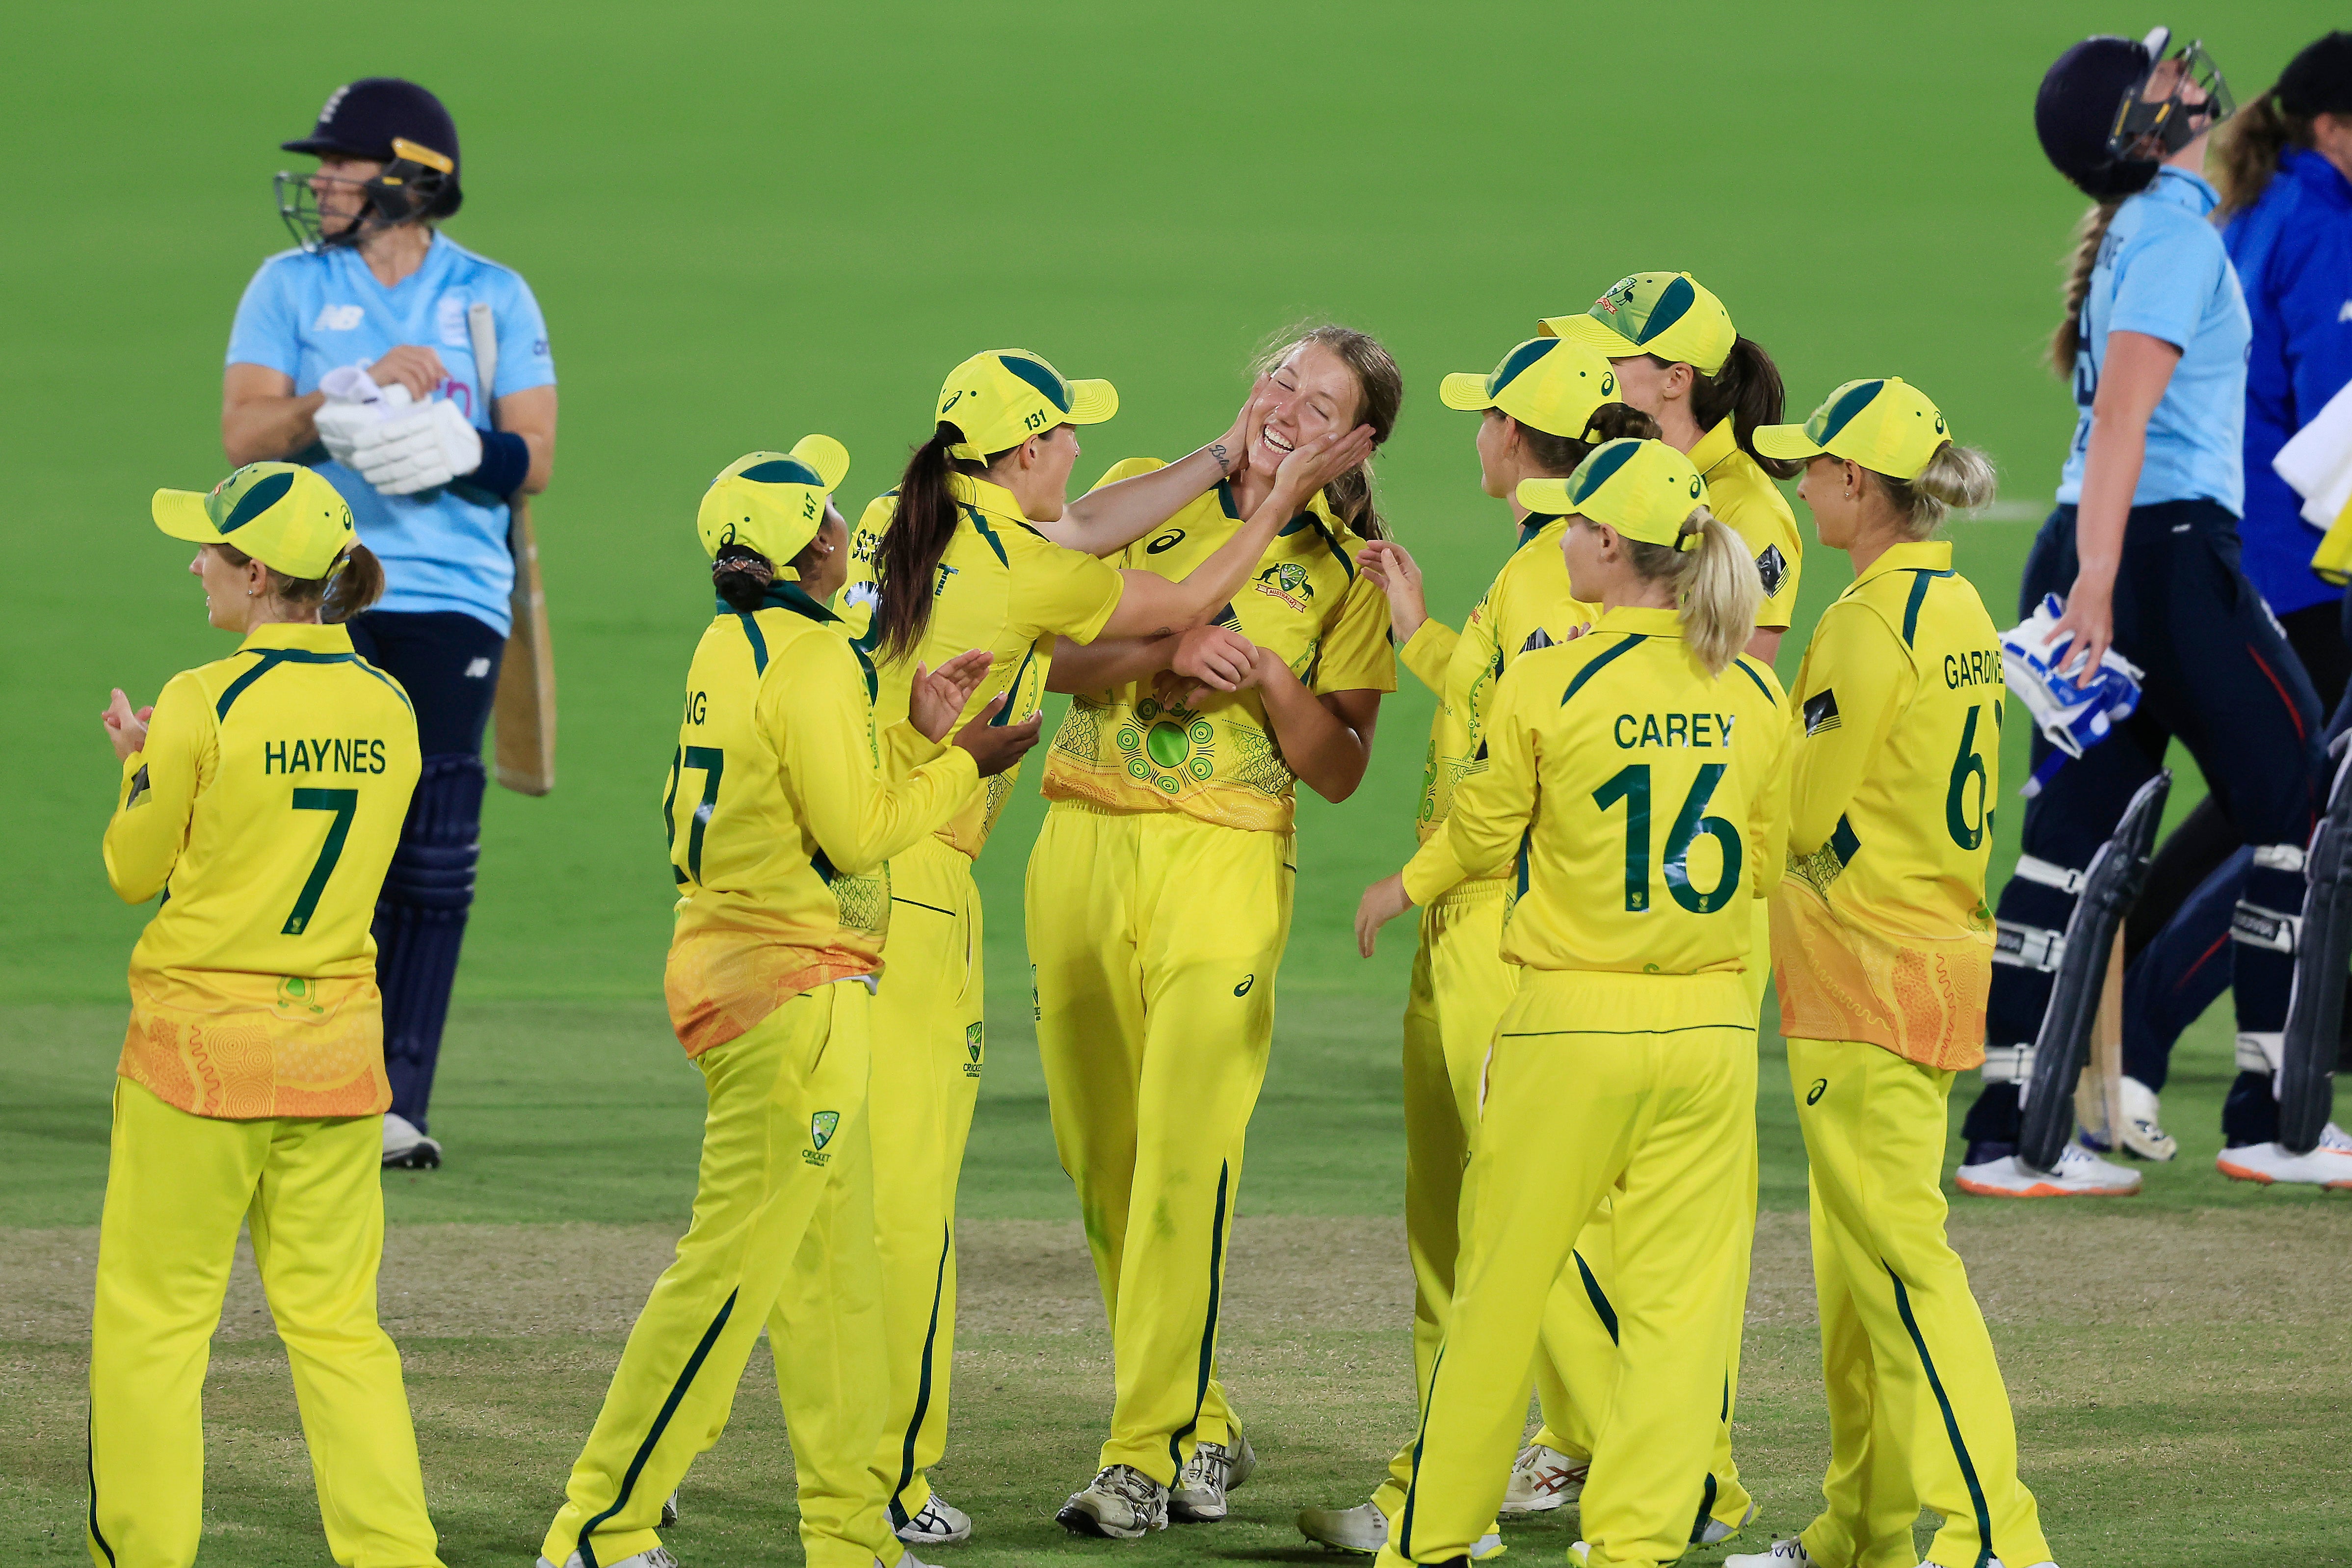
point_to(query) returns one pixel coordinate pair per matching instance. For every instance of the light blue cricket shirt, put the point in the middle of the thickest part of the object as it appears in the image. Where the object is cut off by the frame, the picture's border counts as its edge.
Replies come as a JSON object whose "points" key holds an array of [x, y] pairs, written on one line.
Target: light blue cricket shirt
{"points": [[2162, 270], [304, 315]]}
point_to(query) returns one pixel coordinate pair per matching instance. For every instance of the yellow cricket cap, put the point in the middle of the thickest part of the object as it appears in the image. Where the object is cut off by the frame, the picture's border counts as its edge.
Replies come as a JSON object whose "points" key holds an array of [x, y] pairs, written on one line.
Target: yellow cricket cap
{"points": [[1643, 490], [1001, 398], [281, 514], [1662, 313], [1550, 384], [1887, 426], [772, 502]]}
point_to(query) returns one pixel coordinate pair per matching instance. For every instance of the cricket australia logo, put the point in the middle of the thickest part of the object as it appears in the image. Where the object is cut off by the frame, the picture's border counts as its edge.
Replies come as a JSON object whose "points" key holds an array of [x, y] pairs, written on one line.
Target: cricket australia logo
{"points": [[975, 1048], [1286, 581], [822, 1127], [1165, 746]]}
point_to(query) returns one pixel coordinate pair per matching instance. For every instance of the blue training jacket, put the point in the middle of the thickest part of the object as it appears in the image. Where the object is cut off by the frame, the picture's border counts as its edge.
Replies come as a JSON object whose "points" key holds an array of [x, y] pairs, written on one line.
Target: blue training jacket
{"points": [[2293, 254]]}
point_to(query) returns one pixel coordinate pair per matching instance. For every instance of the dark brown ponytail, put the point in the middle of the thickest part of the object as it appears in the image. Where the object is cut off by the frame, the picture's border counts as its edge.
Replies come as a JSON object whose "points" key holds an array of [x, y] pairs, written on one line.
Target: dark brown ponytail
{"points": [[908, 560], [2248, 146], [346, 590], [1559, 455], [1746, 391], [2090, 233], [741, 575], [1383, 385]]}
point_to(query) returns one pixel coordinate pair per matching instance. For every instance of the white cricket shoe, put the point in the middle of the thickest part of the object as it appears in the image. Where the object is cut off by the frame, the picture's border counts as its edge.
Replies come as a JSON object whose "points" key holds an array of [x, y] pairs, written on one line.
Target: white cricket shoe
{"points": [[1715, 1532], [2329, 1164], [658, 1557], [670, 1511], [905, 1560], [1543, 1478], [1789, 1553], [406, 1149], [2143, 1134], [1120, 1503], [1364, 1528], [2080, 1174], [940, 1523], [1199, 1495]]}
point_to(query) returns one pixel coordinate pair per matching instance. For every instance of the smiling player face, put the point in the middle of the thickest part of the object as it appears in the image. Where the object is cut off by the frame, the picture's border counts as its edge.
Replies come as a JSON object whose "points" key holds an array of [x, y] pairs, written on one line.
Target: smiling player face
{"points": [[1311, 393]]}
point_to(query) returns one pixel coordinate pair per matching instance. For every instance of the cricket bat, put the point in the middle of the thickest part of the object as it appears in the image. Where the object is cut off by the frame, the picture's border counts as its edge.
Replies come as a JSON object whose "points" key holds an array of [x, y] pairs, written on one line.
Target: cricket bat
{"points": [[524, 709], [2099, 1095]]}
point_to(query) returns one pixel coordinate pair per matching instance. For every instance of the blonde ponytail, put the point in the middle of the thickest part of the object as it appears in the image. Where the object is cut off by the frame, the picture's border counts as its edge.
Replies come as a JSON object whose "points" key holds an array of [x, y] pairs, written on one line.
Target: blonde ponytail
{"points": [[1955, 478], [1716, 584]]}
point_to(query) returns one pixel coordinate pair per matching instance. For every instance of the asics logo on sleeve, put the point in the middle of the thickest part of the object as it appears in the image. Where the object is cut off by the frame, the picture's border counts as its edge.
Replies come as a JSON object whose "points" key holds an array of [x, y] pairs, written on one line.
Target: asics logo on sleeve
{"points": [[1244, 988], [1813, 1095], [1168, 540]]}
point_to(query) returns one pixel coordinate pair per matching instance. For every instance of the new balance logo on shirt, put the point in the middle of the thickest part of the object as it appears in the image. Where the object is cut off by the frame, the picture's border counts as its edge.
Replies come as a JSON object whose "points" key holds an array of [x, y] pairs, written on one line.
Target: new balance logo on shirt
{"points": [[338, 318]]}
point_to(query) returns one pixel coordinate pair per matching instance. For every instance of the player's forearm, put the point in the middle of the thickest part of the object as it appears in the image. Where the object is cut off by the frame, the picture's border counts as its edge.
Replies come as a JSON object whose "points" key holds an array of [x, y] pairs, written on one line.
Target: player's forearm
{"points": [[1427, 649], [869, 822], [1327, 752], [1107, 662], [2111, 470], [1106, 520], [531, 413], [269, 429]]}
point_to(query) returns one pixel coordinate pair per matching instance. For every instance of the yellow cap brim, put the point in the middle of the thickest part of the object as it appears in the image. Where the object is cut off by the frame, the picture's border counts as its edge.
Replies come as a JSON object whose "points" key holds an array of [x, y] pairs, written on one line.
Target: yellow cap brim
{"points": [[1091, 401], [1466, 390], [180, 514], [1547, 496], [827, 457], [1606, 340], [1786, 441]]}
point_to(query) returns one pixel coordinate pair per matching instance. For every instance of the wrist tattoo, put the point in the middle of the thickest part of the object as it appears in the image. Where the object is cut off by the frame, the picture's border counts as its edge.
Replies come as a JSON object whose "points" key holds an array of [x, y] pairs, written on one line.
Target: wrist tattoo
{"points": [[1224, 463]]}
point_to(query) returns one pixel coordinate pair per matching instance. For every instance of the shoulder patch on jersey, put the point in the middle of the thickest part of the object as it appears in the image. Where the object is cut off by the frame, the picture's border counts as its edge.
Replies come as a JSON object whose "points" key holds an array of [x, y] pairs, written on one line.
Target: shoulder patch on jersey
{"points": [[1536, 639], [138, 787], [1822, 711], [1773, 567]]}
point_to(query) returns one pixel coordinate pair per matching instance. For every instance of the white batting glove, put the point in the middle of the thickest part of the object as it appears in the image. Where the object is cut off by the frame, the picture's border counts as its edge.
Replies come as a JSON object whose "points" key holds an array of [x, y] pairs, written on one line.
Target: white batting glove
{"points": [[419, 451], [354, 405]]}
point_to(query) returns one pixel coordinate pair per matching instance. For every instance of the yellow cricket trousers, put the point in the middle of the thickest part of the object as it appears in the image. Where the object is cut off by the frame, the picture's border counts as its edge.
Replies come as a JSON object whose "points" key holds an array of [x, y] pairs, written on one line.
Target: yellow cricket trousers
{"points": [[1919, 1414], [1155, 938], [177, 1187], [1597, 1082], [1461, 985], [783, 1234], [930, 1044]]}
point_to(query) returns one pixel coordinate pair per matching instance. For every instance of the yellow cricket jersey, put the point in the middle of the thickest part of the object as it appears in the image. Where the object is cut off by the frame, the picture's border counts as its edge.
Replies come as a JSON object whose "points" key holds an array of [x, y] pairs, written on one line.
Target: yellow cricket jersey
{"points": [[1123, 750], [1879, 927], [264, 807], [1529, 606], [1003, 586], [1642, 798], [779, 821], [1744, 497]]}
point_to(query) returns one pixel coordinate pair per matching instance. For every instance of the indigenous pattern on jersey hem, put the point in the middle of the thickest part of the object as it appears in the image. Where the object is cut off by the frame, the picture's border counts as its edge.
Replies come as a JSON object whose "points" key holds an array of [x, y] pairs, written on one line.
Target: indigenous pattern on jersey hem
{"points": [[777, 734], [1133, 749], [1001, 585], [1880, 930], [1528, 607], [265, 806]]}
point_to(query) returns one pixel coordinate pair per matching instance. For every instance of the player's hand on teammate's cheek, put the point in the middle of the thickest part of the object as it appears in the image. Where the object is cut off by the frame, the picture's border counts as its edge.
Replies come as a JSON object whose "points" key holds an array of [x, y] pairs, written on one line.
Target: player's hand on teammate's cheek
{"points": [[412, 365], [1382, 902], [1236, 441]]}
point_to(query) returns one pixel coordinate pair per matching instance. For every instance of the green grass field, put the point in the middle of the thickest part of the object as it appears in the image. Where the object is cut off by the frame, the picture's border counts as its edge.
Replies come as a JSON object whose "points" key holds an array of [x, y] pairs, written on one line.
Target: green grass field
{"points": [[746, 225]]}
